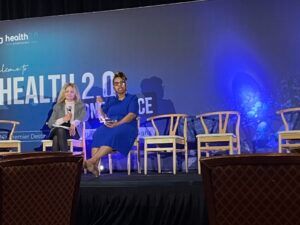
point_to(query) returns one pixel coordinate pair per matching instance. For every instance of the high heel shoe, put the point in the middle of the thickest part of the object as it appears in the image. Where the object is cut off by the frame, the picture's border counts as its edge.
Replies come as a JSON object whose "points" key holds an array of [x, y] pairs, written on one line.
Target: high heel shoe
{"points": [[91, 168]]}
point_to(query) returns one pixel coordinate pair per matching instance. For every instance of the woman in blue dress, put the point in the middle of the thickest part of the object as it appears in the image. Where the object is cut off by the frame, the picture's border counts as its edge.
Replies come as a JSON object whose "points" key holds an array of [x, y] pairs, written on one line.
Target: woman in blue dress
{"points": [[120, 126]]}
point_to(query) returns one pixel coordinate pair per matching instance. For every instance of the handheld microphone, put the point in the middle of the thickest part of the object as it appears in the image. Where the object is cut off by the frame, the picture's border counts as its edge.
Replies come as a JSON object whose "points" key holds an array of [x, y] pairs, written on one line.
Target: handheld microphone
{"points": [[69, 109]]}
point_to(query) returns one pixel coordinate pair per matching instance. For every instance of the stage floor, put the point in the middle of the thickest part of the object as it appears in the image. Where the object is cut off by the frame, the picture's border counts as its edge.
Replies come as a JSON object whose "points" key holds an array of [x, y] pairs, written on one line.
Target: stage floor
{"points": [[121, 179], [141, 199]]}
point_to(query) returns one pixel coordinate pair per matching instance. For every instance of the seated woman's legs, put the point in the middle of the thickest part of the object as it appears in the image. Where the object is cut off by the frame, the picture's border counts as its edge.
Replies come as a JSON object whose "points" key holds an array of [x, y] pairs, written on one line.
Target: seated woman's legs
{"points": [[60, 140], [100, 152], [55, 146], [91, 164]]}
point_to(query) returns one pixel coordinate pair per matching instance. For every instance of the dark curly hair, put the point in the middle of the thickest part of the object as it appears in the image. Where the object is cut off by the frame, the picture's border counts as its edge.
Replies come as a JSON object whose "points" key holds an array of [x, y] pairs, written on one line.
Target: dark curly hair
{"points": [[120, 75]]}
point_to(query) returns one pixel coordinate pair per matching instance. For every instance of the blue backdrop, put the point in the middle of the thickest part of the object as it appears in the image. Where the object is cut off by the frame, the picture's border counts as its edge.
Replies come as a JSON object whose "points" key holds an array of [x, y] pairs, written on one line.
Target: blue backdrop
{"points": [[186, 58]]}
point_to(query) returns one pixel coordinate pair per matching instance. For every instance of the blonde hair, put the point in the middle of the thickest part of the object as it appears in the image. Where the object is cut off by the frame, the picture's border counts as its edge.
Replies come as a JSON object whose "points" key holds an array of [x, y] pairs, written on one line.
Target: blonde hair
{"points": [[61, 97]]}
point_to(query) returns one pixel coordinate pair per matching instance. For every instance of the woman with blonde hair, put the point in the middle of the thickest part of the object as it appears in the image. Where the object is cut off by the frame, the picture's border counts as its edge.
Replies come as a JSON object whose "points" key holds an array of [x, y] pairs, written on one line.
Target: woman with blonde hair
{"points": [[67, 113]]}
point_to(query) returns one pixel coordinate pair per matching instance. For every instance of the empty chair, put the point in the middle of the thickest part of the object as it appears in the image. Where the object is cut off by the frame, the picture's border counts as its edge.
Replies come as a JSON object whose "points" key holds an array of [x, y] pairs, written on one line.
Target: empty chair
{"points": [[171, 142], [217, 136], [72, 143], [252, 189], [10, 142], [289, 139], [39, 188]]}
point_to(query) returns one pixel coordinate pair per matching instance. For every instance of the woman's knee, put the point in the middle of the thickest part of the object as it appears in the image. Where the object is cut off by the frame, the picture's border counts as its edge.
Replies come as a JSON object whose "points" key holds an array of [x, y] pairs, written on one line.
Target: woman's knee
{"points": [[61, 131], [94, 151]]}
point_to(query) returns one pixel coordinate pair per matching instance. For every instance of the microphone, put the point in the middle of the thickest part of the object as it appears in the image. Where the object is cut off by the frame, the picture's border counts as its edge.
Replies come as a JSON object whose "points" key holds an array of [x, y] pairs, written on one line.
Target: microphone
{"points": [[69, 109]]}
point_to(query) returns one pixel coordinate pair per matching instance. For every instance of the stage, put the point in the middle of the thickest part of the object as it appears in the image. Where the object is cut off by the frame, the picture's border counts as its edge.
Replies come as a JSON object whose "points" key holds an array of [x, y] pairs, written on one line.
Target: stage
{"points": [[119, 199]]}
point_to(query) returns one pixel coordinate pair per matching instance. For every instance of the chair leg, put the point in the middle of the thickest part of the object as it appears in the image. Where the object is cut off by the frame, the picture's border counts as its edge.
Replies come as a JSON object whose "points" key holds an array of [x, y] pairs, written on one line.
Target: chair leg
{"points": [[207, 150], [71, 146], [158, 163], [174, 160], [186, 155], [145, 158], [239, 146], [230, 146], [138, 158], [128, 163], [198, 156], [84, 156], [19, 147], [288, 150], [110, 163], [186, 161], [279, 144]]}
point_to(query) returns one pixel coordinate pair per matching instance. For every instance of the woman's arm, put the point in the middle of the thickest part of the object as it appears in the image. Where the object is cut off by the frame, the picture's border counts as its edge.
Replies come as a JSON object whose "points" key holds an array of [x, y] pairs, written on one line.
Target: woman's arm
{"points": [[100, 111], [80, 113], [101, 114], [53, 117], [132, 113], [126, 119]]}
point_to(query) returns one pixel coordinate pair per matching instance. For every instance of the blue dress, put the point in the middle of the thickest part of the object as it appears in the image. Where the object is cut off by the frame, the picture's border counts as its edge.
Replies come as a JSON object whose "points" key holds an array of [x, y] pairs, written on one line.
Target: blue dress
{"points": [[120, 138]]}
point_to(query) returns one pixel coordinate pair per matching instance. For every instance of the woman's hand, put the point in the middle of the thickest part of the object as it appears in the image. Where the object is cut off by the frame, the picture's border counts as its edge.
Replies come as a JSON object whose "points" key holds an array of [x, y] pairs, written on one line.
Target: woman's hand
{"points": [[67, 117], [99, 99], [111, 124], [72, 130]]}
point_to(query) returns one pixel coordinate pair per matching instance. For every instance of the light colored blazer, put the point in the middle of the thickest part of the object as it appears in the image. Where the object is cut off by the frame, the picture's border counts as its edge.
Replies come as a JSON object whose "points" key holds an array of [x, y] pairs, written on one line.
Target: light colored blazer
{"points": [[59, 112]]}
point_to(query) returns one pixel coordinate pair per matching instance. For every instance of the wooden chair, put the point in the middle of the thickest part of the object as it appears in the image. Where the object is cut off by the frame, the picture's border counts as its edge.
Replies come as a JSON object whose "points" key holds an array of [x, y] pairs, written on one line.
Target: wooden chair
{"points": [[168, 142], [252, 189], [10, 143], [135, 150], [39, 188], [289, 139], [218, 139], [72, 143]]}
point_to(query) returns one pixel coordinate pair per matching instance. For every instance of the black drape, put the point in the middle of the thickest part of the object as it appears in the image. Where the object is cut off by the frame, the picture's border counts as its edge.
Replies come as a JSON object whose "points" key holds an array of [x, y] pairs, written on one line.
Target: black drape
{"points": [[134, 203], [15, 9]]}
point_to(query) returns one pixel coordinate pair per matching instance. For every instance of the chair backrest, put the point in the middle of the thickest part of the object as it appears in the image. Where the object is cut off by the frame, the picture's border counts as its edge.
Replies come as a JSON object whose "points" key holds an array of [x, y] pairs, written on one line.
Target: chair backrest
{"points": [[223, 119], [173, 121], [13, 123], [252, 189], [290, 117], [39, 188]]}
